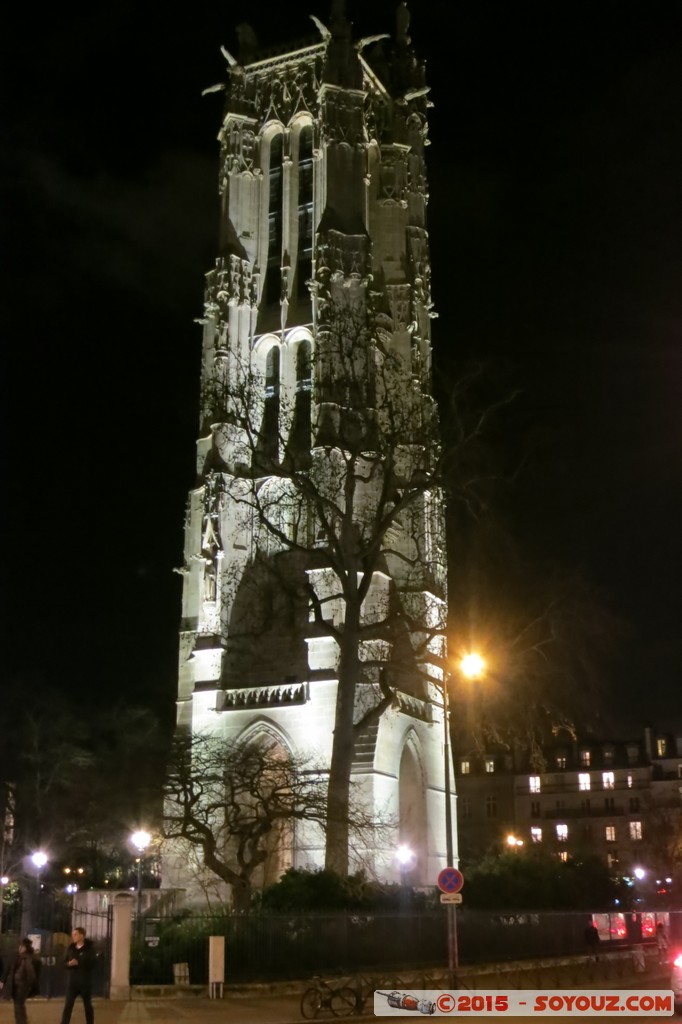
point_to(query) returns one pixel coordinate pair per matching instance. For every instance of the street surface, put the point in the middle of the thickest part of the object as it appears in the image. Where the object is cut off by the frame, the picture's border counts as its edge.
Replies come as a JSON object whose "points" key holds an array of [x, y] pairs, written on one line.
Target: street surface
{"points": [[255, 1008]]}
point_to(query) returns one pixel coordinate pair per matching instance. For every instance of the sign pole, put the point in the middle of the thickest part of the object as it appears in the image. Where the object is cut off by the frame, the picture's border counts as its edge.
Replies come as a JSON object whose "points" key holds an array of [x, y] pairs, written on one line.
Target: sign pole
{"points": [[455, 944]]}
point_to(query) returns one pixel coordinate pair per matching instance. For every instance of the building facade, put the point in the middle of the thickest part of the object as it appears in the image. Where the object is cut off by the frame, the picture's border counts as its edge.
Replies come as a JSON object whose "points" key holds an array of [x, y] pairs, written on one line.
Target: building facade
{"points": [[316, 494], [620, 800]]}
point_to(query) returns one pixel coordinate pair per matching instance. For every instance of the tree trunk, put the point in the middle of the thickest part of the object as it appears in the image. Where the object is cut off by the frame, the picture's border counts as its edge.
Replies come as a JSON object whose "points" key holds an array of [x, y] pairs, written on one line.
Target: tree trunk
{"points": [[241, 896], [343, 745]]}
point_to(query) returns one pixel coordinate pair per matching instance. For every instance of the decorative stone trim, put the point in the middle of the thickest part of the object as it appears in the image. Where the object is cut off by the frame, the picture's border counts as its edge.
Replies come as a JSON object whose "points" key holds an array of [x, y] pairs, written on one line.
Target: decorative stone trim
{"points": [[263, 696]]}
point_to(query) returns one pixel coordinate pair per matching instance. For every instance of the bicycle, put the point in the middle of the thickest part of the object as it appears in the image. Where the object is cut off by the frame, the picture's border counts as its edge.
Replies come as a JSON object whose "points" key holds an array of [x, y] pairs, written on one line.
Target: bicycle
{"points": [[342, 1001]]}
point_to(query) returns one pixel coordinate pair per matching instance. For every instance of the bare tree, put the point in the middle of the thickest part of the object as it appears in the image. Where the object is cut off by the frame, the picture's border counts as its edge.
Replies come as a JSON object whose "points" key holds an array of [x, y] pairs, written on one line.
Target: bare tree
{"points": [[235, 805], [339, 484]]}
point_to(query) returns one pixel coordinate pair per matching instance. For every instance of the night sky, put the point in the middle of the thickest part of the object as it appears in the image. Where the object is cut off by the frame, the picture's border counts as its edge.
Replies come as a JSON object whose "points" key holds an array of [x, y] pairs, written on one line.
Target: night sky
{"points": [[556, 229]]}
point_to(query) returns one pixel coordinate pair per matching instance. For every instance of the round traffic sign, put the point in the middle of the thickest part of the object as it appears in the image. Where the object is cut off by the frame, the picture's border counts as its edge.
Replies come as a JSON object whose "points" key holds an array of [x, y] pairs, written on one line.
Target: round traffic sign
{"points": [[450, 880]]}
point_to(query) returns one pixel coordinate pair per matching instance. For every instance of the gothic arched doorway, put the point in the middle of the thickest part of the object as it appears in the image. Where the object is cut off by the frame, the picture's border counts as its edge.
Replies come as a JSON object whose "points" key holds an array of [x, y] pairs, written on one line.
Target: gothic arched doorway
{"points": [[412, 831]]}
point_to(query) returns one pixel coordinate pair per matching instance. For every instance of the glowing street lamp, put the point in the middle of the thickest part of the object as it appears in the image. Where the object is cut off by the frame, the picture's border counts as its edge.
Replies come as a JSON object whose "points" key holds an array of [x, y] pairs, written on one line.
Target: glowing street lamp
{"points": [[39, 859], [472, 665], [404, 855], [140, 841], [639, 873]]}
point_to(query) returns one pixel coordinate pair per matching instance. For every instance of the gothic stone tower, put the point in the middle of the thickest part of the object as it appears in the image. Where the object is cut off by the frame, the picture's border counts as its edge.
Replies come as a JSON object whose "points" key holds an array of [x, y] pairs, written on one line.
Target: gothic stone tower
{"points": [[314, 596]]}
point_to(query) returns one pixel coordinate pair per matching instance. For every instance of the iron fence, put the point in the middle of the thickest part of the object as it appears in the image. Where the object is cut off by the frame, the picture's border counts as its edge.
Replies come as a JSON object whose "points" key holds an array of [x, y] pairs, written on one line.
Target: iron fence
{"points": [[49, 926], [265, 946]]}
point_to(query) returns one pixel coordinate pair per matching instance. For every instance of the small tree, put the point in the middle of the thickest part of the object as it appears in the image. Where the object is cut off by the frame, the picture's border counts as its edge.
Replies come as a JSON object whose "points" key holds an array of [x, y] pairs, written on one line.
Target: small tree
{"points": [[235, 804]]}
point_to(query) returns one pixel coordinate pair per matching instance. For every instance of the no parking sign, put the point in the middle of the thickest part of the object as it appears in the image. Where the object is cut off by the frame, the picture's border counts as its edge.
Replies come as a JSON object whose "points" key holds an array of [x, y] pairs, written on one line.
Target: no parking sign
{"points": [[450, 880]]}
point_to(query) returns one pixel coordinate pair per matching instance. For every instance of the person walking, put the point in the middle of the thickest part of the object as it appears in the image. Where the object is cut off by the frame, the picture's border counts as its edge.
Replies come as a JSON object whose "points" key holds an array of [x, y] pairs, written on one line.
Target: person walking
{"points": [[79, 962], [20, 979], [662, 943], [592, 941]]}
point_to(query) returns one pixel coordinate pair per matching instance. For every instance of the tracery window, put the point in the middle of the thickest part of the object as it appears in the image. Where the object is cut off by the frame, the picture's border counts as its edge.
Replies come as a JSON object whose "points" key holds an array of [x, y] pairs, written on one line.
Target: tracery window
{"points": [[269, 440], [273, 284], [305, 211]]}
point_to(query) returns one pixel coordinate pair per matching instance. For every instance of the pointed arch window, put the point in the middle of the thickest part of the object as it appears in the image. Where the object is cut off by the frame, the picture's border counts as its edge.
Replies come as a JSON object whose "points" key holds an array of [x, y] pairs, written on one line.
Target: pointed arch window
{"points": [[270, 429], [300, 429], [274, 264], [305, 211]]}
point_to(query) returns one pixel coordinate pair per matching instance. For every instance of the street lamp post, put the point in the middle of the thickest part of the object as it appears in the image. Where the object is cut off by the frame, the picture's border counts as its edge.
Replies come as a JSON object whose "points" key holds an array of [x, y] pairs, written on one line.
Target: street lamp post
{"points": [[453, 952], [4, 881], [140, 841], [472, 666], [39, 860]]}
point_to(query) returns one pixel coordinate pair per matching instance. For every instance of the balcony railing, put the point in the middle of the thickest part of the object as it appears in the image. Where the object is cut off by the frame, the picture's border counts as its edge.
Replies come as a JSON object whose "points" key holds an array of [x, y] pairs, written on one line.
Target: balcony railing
{"points": [[569, 786], [583, 812]]}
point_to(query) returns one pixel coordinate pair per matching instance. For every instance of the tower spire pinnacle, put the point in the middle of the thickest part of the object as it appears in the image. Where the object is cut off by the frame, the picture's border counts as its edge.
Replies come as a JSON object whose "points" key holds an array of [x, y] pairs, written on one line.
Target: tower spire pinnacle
{"points": [[342, 66]]}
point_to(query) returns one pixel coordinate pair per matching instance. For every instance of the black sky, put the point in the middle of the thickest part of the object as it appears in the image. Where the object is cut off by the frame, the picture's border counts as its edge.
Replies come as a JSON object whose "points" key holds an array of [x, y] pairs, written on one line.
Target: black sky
{"points": [[556, 227]]}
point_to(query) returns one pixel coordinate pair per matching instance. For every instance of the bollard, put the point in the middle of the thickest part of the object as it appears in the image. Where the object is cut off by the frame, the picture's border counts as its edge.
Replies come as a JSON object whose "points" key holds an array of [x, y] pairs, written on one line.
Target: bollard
{"points": [[216, 966]]}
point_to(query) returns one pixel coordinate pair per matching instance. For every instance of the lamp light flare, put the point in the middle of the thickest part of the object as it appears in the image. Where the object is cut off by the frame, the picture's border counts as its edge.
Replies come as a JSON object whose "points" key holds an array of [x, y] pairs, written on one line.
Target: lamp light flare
{"points": [[140, 840], [639, 873], [39, 859], [472, 666], [404, 854]]}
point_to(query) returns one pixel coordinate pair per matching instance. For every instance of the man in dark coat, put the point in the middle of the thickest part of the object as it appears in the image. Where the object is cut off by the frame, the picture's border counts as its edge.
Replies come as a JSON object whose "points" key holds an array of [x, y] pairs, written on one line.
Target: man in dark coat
{"points": [[19, 980], [79, 962], [592, 941]]}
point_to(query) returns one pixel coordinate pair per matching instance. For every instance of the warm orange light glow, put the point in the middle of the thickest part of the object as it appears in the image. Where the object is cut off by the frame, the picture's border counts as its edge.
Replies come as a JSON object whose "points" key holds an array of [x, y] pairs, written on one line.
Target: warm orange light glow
{"points": [[472, 666]]}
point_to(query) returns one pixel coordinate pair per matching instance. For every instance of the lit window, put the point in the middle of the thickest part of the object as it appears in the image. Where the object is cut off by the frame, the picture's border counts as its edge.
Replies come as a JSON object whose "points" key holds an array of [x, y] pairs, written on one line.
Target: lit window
{"points": [[607, 780], [536, 834], [561, 761], [630, 781], [563, 855], [490, 766], [562, 833], [491, 806], [584, 780], [661, 746], [534, 783], [585, 758], [610, 833], [635, 830], [465, 767]]}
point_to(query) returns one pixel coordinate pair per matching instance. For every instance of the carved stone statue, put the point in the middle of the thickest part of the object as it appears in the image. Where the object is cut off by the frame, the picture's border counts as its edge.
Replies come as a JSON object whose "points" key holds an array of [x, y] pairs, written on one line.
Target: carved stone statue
{"points": [[210, 587], [402, 24], [248, 42]]}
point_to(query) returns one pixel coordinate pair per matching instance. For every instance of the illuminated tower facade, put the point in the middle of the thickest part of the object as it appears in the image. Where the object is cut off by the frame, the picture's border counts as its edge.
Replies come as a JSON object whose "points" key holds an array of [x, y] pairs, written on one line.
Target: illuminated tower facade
{"points": [[324, 260]]}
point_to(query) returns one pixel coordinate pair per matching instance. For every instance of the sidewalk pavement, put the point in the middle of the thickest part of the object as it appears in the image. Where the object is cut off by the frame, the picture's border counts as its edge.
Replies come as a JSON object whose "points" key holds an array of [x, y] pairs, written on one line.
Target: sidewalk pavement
{"points": [[250, 1009]]}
